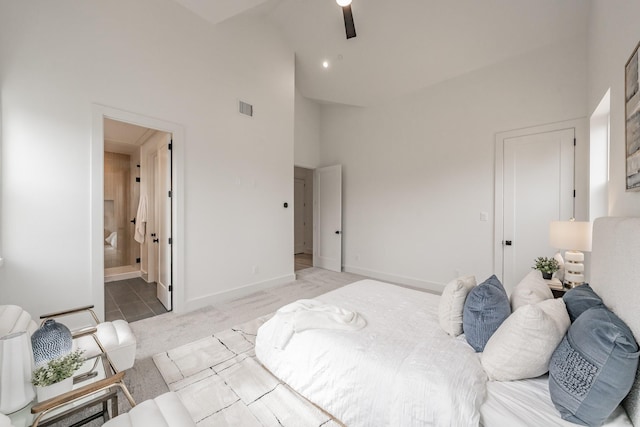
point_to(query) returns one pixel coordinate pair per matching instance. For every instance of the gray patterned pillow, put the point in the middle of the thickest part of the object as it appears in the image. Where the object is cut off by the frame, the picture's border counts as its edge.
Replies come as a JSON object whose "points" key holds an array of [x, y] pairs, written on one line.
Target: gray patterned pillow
{"points": [[485, 308], [593, 368]]}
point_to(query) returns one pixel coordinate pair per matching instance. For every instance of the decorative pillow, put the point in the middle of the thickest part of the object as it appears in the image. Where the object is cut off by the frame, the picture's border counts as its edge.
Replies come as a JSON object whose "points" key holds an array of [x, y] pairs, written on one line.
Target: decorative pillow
{"points": [[452, 304], [531, 290], [522, 346], [593, 368], [486, 307], [580, 299], [557, 312]]}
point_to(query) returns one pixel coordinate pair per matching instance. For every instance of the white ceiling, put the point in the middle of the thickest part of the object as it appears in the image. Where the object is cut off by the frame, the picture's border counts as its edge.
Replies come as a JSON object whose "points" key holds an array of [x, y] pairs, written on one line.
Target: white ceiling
{"points": [[403, 45], [124, 138]]}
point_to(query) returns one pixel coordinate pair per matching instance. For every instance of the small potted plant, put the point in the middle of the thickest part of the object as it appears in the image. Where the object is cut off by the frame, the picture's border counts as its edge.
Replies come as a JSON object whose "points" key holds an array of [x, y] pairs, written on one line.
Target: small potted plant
{"points": [[56, 377], [547, 266]]}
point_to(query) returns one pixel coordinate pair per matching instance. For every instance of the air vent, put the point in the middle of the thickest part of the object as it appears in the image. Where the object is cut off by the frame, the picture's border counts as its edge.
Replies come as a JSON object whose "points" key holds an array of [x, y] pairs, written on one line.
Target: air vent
{"points": [[246, 109]]}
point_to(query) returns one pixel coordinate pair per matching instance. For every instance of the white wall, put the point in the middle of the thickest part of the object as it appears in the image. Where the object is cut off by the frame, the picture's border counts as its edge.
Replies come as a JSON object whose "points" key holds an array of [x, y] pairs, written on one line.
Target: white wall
{"points": [[613, 35], [418, 170], [157, 59], [307, 132]]}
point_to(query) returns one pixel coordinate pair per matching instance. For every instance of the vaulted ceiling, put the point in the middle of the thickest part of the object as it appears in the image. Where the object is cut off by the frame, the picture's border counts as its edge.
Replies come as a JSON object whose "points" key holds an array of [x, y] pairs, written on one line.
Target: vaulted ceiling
{"points": [[403, 45]]}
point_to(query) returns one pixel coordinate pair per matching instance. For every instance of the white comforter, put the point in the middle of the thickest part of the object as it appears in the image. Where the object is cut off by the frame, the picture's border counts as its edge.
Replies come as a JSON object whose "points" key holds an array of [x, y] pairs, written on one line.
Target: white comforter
{"points": [[399, 370]]}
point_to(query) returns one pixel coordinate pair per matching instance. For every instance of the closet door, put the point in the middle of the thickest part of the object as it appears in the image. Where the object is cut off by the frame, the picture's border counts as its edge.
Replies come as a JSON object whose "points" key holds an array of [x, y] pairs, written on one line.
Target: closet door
{"points": [[538, 188], [327, 218]]}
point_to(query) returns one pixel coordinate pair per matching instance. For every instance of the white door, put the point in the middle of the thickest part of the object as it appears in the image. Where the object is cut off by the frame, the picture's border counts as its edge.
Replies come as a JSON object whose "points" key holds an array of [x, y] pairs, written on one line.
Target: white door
{"points": [[538, 188], [163, 222], [152, 227], [327, 218], [298, 215]]}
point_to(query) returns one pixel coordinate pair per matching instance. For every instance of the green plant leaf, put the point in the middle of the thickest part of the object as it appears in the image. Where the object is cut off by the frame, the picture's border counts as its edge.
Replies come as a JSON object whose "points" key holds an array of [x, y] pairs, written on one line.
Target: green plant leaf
{"points": [[58, 369]]}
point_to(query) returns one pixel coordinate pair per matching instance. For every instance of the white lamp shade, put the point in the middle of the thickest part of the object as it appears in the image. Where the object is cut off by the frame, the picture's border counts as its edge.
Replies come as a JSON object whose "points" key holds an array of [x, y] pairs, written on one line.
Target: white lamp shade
{"points": [[572, 235], [16, 365]]}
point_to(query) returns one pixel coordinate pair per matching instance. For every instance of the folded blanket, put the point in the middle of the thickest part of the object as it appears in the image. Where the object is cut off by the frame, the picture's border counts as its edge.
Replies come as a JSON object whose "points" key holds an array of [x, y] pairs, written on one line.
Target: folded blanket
{"points": [[312, 314]]}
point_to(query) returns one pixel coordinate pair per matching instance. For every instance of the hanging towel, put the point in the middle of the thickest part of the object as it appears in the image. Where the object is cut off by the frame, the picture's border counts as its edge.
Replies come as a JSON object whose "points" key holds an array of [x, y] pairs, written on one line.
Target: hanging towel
{"points": [[141, 219]]}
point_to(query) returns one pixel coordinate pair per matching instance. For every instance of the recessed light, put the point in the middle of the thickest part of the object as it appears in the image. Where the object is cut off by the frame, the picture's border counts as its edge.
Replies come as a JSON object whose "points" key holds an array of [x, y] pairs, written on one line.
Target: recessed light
{"points": [[343, 3], [325, 64]]}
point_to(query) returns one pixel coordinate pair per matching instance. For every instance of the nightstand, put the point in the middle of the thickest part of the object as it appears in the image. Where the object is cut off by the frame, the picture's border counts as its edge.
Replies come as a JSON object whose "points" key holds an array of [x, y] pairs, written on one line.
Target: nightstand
{"points": [[557, 288]]}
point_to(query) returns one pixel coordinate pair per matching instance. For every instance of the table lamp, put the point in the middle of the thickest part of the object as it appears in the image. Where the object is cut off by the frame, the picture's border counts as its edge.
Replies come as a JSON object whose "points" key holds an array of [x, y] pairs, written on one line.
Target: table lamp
{"points": [[575, 237]]}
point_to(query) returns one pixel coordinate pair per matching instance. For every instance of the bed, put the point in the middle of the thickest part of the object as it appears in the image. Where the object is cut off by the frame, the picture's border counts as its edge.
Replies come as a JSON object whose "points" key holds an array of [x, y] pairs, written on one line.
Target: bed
{"points": [[403, 369]]}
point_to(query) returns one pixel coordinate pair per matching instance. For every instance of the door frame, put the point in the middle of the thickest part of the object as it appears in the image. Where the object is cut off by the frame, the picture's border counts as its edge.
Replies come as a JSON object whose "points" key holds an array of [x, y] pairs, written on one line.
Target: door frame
{"points": [[99, 113], [581, 177]]}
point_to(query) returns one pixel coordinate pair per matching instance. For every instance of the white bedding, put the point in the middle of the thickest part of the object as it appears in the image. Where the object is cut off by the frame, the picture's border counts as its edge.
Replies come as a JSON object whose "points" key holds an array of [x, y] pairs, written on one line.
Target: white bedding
{"points": [[527, 403], [402, 369]]}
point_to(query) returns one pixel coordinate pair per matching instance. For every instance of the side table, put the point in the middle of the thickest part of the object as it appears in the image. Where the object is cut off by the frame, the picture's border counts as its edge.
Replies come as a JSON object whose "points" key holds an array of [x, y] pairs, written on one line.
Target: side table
{"points": [[98, 385], [557, 288]]}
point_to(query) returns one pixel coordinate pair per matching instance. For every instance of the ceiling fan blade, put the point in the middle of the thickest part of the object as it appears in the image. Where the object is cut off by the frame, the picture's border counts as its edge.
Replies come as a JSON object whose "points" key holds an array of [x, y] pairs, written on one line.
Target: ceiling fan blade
{"points": [[349, 27]]}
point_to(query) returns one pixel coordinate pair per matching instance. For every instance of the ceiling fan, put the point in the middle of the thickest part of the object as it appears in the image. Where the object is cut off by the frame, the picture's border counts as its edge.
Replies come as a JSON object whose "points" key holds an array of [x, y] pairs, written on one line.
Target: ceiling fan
{"points": [[348, 18]]}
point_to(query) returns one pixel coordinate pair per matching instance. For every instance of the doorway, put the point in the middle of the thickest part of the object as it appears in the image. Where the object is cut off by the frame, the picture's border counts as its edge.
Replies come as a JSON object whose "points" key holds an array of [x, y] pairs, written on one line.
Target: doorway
{"points": [[122, 143], [137, 221], [96, 255], [535, 184], [303, 218]]}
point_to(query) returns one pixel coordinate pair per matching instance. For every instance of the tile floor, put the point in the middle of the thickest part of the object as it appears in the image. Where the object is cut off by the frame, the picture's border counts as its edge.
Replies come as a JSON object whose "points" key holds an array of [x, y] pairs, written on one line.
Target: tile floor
{"points": [[131, 300]]}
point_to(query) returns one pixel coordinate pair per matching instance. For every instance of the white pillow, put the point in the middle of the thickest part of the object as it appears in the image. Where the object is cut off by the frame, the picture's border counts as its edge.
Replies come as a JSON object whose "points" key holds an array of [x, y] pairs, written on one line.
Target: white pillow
{"points": [[523, 345], [452, 304], [531, 290], [557, 310]]}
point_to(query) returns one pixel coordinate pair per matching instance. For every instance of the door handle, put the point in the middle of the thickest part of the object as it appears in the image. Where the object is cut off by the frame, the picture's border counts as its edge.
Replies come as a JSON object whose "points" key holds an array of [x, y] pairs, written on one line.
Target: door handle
{"points": [[156, 240], [337, 231], [508, 243], [133, 221]]}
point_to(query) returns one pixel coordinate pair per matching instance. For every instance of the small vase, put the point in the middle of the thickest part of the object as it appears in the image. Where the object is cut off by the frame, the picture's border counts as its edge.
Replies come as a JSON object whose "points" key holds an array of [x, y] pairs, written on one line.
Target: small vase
{"points": [[547, 276], [53, 390], [50, 341]]}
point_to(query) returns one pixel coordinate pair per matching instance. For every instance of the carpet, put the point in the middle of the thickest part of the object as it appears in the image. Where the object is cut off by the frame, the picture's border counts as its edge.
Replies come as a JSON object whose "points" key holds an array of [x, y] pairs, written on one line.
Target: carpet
{"points": [[221, 383]]}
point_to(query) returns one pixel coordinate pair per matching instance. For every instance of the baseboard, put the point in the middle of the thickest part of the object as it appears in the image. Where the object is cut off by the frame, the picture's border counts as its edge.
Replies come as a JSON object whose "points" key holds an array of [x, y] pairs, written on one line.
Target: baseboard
{"points": [[122, 276], [224, 296], [392, 278]]}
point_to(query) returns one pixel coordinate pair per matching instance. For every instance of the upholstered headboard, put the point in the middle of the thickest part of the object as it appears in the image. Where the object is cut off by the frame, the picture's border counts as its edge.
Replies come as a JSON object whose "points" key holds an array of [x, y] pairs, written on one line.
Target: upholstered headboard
{"points": [[615, 276]]}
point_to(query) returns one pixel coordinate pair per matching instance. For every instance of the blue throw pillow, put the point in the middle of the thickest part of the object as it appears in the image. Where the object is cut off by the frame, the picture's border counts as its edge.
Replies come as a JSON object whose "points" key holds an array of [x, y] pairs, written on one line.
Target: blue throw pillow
{"points": [[485, 308], [593, 368], [580, 299]]}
